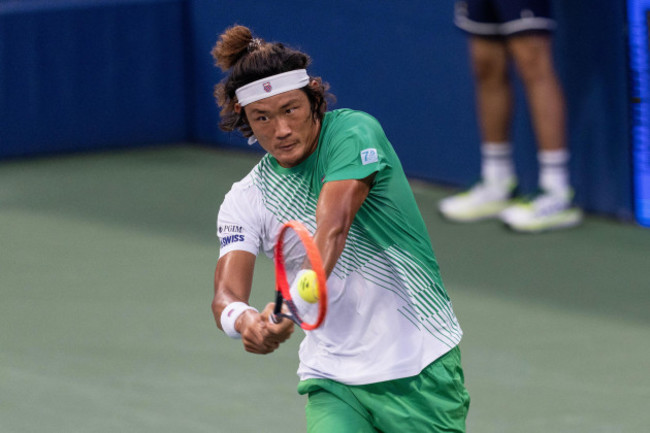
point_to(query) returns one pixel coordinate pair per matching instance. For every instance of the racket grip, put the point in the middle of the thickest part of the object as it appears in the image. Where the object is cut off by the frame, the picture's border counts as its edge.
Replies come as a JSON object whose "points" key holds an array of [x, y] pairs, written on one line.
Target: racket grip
{"points": [[275, 316]]}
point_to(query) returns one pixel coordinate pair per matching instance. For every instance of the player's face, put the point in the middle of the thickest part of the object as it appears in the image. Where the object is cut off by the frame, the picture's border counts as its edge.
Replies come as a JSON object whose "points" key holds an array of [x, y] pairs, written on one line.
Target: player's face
{"points": [[284, 126]]}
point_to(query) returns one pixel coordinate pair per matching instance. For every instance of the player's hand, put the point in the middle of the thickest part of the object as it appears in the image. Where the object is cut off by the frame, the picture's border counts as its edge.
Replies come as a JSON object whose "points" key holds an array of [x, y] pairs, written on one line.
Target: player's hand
{"points": [[258, 335], [280, 331]]}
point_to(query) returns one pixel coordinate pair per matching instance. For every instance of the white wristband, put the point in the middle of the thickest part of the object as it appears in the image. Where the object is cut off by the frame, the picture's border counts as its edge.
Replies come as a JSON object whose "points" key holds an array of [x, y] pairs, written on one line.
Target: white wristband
{"points": [[229, 316]]}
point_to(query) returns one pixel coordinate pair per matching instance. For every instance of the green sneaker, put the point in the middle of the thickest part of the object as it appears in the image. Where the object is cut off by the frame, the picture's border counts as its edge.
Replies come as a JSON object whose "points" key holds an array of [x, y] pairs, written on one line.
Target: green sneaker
{"points": [[480, 202], [544, 212]]}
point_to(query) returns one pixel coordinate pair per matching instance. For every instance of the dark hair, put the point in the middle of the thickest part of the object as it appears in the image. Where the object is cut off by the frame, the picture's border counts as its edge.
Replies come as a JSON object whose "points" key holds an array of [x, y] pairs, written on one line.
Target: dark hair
{"points": [[250, 59]]}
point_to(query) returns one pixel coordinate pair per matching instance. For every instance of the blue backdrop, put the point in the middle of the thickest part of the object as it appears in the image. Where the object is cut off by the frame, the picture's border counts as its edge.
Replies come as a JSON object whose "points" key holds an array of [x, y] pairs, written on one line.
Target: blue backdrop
{"points": [[81, 75], [84, 74]]}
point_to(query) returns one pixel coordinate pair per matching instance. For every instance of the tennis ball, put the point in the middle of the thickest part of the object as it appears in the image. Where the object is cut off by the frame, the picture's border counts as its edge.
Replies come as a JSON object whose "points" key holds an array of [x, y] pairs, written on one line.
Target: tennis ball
{"points": [[308, 286]]}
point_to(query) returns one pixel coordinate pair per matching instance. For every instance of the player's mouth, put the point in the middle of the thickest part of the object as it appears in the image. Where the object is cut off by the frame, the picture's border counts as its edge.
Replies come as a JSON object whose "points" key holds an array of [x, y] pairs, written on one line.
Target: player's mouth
{"points": [[287, 146]]}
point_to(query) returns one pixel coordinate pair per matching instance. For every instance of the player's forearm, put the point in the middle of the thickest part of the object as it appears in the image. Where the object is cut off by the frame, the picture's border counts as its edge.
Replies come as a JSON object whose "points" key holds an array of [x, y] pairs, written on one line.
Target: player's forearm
{"points": [[330, 240], [338, 204], [233, 280]]}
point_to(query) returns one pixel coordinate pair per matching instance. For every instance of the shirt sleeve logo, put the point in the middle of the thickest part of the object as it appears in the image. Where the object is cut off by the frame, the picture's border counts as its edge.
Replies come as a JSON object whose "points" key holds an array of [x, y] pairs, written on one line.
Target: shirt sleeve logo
{"points": [[231, 233], [227, 240], [368, 156]]}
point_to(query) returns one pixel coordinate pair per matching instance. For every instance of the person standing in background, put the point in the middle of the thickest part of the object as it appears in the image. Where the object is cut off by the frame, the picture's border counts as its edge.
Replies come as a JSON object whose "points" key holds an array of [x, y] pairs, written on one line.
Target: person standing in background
{"points": [[517, 31]]}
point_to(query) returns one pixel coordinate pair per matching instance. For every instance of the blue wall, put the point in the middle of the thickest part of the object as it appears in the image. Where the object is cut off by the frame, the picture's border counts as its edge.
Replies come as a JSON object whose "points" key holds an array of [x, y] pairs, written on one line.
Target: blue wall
{"points": [[592, 58], [84, 74], [80, 75]]}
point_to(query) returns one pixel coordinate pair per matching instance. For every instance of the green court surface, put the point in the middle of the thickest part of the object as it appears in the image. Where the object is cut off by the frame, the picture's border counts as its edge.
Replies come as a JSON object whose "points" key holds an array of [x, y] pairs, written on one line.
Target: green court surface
{"points": [[106, 266]]}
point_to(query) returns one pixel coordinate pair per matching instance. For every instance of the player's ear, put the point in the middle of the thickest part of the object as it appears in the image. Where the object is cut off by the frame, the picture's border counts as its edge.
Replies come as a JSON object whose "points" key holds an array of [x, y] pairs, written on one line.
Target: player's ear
{"points": [[313, 84], [238, 108]]}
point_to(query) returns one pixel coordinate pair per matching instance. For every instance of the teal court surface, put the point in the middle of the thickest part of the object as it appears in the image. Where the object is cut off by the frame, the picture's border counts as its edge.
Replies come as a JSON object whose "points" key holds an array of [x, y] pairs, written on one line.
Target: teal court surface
{"points": [[106, 267]]}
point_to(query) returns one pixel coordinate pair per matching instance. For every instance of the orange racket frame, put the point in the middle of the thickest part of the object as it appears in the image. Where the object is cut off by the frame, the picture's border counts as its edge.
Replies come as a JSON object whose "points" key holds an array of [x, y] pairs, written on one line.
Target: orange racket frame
{"points": [[282, 285]]}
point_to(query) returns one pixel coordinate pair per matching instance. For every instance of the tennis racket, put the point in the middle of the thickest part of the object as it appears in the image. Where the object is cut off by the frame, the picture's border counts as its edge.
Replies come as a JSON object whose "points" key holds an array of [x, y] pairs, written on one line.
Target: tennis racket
{"points": [[308, 316]]}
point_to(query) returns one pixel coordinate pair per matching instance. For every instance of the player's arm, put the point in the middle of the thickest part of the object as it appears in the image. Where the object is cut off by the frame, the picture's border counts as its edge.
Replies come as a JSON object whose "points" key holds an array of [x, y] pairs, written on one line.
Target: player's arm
{"points": [[338, 203], [233, 281]]}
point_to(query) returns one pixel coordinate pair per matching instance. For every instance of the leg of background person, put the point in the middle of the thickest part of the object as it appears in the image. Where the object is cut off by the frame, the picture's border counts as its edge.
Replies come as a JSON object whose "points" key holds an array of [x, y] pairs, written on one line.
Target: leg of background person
{"points": [[494, 102], [489, 58], [552, 209], [533, 57]]}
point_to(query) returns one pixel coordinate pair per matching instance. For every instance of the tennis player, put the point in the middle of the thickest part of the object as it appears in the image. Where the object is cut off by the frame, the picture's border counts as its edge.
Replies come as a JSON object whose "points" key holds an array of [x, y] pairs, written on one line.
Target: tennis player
{"points": [[386, 358]]}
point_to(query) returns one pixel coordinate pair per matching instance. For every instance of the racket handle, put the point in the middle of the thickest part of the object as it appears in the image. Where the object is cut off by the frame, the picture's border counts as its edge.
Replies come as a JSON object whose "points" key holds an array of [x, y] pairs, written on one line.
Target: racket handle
{"points": [[275, 316]]}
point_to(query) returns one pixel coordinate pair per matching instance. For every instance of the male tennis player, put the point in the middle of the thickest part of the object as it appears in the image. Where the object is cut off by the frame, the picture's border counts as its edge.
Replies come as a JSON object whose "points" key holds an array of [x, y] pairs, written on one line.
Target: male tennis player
{"points": [[386, 358]]}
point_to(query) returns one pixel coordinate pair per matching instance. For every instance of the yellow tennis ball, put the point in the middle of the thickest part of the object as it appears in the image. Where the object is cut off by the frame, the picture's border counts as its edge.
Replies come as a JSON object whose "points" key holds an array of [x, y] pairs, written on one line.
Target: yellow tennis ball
{"points": [[308, 286]]}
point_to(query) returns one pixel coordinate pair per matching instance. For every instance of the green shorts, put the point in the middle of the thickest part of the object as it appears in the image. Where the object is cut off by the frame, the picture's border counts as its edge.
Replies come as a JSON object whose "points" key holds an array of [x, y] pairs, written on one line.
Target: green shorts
{"points": [[433, 401]]}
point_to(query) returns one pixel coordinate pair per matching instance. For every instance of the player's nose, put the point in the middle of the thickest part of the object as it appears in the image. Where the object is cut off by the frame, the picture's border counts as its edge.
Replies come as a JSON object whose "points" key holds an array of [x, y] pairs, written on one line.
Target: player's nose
{"points": [[282, 128]]}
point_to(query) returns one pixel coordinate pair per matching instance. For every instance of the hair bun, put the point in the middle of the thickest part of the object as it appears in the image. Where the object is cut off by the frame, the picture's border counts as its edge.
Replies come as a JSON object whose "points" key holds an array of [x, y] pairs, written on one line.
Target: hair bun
{"points": [[232, 45]]}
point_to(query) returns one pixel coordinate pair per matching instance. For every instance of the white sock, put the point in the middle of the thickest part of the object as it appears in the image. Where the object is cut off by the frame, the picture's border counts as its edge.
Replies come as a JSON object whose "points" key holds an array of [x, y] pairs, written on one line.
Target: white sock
{"points": [[497, 167], [554, 170]]}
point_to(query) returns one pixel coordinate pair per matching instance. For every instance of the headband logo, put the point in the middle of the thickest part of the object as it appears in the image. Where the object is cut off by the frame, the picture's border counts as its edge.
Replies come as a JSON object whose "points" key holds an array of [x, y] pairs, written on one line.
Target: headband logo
{"points": [[267, 87]]}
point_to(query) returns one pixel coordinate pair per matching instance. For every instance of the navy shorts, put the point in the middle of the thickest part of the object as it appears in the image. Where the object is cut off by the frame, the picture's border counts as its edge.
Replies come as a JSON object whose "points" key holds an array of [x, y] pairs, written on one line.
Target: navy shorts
{"points": [[503, 17]]}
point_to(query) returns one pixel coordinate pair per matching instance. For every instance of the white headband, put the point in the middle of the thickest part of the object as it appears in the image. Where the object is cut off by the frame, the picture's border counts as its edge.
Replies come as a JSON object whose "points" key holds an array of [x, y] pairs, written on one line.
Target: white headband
{"points": [[271, 86]]}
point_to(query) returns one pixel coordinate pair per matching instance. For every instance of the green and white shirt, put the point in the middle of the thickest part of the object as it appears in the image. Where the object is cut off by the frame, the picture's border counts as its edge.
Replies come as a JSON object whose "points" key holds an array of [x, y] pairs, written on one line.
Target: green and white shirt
{"points": [[389, 315]]}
